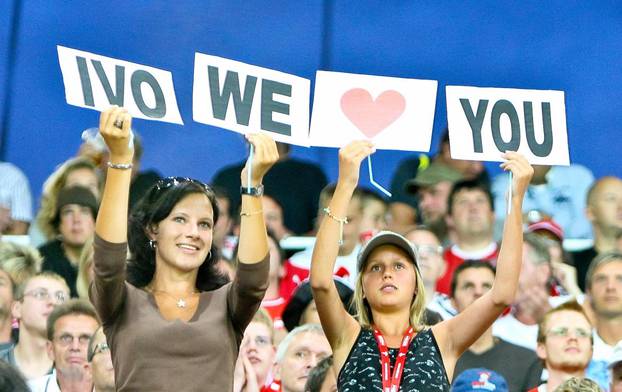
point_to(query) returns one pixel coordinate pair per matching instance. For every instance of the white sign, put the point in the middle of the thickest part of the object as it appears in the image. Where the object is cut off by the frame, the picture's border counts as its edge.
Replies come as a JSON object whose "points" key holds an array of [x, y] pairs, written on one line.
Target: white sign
{"points": [[98, 82], [485, 122], [246, 98], [394, 113]]}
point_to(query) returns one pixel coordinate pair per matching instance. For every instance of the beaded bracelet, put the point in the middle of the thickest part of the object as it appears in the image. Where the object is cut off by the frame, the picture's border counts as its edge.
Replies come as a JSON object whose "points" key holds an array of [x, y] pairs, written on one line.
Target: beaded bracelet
{"points": [[341, 221], [120, 166]]}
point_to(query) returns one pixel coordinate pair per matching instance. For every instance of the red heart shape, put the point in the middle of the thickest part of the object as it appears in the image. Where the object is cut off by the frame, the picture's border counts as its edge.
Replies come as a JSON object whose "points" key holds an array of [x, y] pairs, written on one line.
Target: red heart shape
{"points": [[372, 116]]}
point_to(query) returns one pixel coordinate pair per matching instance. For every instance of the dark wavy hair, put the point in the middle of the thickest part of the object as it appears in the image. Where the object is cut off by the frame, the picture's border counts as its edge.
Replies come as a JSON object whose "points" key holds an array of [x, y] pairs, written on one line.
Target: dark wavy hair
{"points": [[154, 207]]}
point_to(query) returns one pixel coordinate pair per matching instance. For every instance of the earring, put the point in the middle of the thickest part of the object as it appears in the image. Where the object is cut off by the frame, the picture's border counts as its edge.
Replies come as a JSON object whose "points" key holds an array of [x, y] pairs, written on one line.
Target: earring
{"points": [[209, 254], [152, 244]]}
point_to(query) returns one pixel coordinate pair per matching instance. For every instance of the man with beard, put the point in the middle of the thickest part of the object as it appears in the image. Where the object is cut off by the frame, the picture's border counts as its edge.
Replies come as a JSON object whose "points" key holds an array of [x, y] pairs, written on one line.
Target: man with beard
{"points": [[432, 186], [35, 298], [470, 218], [100, 363], [604, 289], [564, 344], [69, 330]]}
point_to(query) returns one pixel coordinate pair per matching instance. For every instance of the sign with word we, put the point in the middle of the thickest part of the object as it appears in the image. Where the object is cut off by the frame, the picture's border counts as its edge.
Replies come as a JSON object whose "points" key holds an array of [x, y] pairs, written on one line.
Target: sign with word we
{"points": [[246, 98]]}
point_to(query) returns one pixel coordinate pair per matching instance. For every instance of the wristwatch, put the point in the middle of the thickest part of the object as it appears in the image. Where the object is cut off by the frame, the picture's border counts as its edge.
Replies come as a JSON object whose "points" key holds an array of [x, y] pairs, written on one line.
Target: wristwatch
{"points": [[252, 191]]}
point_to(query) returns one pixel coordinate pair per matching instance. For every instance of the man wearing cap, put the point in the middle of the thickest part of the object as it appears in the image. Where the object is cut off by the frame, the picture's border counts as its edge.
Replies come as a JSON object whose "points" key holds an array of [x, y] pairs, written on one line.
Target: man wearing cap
{"points": [[432, 186], [404, 205], [520, 326], [604, 211], [615, 365], [564, 275], [74, 223], [471, 219]]}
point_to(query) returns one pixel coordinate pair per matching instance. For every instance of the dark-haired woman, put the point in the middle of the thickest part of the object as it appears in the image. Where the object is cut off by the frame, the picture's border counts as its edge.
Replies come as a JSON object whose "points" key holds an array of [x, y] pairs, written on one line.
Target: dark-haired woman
{"points": [[388, 348], [172, 321]]}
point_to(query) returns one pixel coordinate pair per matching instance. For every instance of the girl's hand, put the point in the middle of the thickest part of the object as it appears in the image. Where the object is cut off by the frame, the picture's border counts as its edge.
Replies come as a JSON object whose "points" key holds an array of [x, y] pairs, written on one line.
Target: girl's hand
{"points": [[521, 172], [114, 126], [350, 158]]}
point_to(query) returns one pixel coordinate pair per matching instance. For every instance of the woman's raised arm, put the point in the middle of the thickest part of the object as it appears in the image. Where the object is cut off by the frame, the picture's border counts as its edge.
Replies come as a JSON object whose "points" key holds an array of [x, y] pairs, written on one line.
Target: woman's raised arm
{"points": [[114, 126], [108, 289], [253, 245]]}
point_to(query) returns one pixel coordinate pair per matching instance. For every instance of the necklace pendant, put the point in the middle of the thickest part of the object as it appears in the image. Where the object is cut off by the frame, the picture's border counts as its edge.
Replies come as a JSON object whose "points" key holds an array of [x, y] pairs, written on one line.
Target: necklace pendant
{"points": [[181, 303]]}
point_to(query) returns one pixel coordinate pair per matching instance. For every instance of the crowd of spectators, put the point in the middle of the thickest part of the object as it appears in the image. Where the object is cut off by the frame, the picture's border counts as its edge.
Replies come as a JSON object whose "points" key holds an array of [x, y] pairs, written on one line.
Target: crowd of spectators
{"points": [[563, 331]]}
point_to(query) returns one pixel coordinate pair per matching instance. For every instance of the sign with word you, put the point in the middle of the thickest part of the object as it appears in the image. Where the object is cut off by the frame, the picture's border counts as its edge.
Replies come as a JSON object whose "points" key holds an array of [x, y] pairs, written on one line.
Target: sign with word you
{"points": [[394, 113], [485, 122], [246, 98], [98, 82]]}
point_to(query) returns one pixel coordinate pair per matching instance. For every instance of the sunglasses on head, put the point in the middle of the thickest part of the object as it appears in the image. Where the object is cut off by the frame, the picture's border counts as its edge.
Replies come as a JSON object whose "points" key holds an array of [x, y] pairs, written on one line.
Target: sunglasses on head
{"points": [[169, 182]]}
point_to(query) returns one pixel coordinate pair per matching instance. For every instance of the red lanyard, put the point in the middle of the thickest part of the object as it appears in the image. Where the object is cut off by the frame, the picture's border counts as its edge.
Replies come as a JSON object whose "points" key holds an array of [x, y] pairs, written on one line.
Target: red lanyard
{"points": [[391, 382]]}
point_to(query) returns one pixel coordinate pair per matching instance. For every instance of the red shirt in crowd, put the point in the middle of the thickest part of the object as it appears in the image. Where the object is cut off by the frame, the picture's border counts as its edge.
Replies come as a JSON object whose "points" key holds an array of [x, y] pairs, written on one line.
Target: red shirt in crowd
{"points": [[454, 256]]}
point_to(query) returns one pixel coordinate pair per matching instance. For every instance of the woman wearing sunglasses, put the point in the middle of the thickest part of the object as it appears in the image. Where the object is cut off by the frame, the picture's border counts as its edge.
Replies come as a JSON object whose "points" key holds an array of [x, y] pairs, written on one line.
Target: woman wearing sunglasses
{"points": [[172, 321], [387, 347]]}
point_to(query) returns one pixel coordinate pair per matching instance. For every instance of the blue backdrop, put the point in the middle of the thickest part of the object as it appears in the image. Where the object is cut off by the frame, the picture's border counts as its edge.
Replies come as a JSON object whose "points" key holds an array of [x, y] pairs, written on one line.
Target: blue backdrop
{"points": [[562, 45]]}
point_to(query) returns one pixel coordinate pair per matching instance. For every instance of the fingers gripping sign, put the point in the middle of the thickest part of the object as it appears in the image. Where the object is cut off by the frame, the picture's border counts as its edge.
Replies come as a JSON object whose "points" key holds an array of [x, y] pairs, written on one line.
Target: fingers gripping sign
{"points": [[263, 155], [115, 127], [520, 175], [350, 158]]}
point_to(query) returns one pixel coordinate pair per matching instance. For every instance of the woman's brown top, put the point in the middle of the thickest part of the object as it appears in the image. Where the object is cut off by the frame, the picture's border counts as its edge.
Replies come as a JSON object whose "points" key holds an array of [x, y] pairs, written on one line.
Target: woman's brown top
{"points": [[150, 353]]}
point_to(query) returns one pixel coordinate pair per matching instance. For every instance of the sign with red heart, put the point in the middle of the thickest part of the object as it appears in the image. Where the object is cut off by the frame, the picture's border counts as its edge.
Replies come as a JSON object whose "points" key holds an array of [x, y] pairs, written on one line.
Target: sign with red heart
{"points": [[394, 113]]}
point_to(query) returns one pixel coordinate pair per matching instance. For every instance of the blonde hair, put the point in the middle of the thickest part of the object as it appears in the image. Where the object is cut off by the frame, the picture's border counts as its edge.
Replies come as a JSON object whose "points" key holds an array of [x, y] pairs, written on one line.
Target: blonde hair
{"points": [[52, 186], [263, 317], [363, 309], [19, 293], [21, 262], [575, 384], [84, 264]]}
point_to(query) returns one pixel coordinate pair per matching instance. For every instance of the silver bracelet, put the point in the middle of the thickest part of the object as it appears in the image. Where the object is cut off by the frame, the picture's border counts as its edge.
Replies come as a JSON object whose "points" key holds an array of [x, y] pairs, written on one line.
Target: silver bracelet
{"points": [[120, 166]]}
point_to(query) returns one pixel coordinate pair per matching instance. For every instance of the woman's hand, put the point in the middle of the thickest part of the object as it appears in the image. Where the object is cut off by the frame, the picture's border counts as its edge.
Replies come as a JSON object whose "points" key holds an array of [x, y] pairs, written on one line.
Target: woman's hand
{"points": [[264, 156], [521, 172], [350, 158], [114, 126]]}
